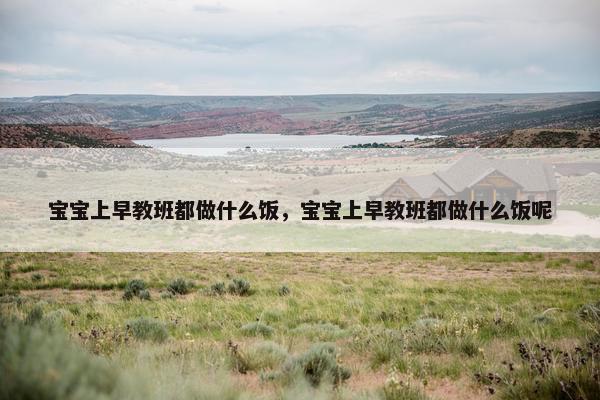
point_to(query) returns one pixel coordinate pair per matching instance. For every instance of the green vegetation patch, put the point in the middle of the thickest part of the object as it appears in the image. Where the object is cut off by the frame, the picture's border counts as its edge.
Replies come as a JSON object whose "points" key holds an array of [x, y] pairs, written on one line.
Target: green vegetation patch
{"points": [[147, 329]]}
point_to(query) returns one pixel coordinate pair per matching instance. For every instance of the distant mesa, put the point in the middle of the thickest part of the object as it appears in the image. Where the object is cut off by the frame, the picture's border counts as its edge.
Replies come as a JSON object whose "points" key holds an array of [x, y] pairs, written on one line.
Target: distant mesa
{"points": [[464, 120]]}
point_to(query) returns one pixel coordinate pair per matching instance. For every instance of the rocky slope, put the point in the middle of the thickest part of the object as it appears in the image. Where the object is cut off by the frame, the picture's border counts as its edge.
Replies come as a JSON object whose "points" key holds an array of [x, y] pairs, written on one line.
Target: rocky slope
{"points": [[434, 114], [543, 138], [39, 135], [223, 121]]}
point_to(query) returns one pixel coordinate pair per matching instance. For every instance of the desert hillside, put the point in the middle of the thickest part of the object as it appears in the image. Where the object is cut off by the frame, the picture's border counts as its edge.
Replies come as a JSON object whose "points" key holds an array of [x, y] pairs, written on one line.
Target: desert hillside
{"points": [[547, 138], [154, 117], [41, 135]]}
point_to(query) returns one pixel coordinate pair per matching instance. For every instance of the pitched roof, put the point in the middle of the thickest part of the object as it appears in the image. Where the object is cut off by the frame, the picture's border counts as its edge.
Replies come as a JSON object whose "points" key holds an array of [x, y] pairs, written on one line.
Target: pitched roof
{"points": [[427, 185], [531, 175]]}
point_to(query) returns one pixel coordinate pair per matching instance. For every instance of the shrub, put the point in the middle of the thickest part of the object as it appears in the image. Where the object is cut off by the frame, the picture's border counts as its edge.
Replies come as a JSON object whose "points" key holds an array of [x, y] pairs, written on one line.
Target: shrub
{"points": [[428, 335], [542, 318], [43, 364], [431, 335], [323, 331], [7, 267], [557, 263], [385, 346], [587, 265], [41, 174], [468, 346], [6, 272], [266, 355], [590, 312], [257, 328], [40, 363], [424, 367], [59, 316], [144, 294], [239, 287], [147, 329], [179, 286], [8, 297], [318, 365], [397, 389], [283, 290], [424, 340], [217, 288], [133, 288], [37, 277], [35, 315], [239, 360], [261, 356], [547, 373]]}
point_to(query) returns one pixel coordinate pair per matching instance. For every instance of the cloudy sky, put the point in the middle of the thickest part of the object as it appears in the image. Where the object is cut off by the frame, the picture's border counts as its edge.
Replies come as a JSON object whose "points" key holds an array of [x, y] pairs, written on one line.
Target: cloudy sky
{"points": [[243, 47]]}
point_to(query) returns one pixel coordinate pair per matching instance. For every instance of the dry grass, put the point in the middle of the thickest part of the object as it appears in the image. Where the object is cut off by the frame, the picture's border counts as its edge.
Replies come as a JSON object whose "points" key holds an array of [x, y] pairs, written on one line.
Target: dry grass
{"points": [[475, 307]]}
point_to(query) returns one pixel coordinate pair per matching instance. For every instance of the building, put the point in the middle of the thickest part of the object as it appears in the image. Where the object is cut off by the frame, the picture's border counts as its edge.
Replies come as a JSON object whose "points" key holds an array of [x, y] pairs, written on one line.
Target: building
{"points": [[475, 178]]}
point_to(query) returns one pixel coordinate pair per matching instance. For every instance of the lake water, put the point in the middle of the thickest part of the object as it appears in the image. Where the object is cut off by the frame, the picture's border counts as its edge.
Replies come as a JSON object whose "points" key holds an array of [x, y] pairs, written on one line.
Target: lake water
{"points": [[220, 145]]}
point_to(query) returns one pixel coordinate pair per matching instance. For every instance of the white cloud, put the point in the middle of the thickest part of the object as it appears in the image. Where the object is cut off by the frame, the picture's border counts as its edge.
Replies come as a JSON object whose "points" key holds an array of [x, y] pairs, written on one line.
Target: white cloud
{"points": [[214, 8], [423, 71], [167, 88], [534, 70], [35, 71]]}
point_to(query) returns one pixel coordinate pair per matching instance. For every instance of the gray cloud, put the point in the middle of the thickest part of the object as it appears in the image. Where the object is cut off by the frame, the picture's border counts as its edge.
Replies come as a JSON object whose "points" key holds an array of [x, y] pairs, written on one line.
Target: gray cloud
{"points": [[282, 47]]}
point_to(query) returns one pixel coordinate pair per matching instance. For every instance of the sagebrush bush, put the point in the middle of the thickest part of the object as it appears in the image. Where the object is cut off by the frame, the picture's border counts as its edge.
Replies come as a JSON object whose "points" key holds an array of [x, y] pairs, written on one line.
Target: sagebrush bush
{"points": [[136, 288], [266, 355], [318, 365], [239, 287], [217, 288], [542, 318], [43, 364], [548, 373], [557, 263], [147, 329], [144, 294], [283, 290], [238, 358], [402, 392], [396, 388], [8, 297], [59, 316], [587, 265], [259, 357], [179, 286], [590, 312], [6, 272], [34, 315], [553, 264], [323, 331], [257, 328]]}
